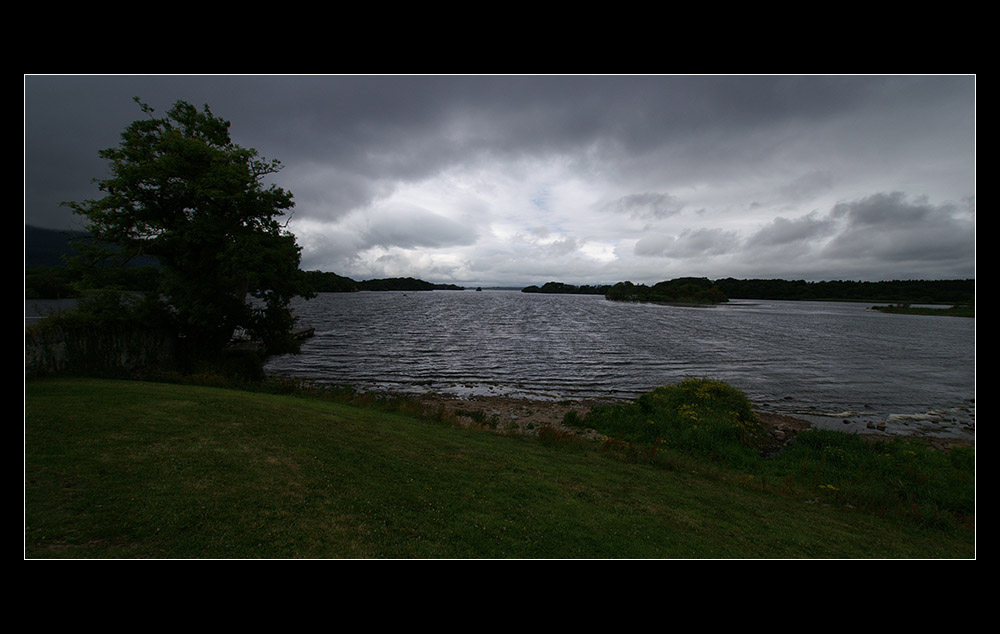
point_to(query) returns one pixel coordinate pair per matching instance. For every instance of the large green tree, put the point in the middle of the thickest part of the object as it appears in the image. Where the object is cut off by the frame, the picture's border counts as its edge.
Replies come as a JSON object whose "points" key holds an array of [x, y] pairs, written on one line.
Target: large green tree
{"points": [[180, 190]]}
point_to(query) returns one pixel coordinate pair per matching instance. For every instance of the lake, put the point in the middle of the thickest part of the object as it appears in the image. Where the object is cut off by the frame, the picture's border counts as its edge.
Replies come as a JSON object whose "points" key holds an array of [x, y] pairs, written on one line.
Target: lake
{"points": [[837, 364]]}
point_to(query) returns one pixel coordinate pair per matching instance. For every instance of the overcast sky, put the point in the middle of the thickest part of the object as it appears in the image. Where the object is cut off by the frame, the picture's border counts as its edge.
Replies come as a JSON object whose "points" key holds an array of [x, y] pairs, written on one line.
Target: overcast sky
{"points": [[486, 180]]}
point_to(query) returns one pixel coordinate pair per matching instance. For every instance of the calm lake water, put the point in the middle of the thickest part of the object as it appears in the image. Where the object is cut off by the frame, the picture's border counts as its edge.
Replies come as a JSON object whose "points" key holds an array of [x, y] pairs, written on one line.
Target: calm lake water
{"points": [[837, 364]]}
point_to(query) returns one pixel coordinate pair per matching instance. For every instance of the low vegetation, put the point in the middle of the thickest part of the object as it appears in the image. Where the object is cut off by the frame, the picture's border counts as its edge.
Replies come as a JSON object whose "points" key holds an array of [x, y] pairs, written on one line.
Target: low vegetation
{"points": [[715, 422], [958, 310], [128, 469]]}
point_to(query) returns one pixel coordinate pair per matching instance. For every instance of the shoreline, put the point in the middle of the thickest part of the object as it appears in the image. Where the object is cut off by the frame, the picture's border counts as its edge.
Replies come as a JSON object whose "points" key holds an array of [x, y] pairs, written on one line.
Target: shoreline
{"points": [[949, 425], [525, 416]]}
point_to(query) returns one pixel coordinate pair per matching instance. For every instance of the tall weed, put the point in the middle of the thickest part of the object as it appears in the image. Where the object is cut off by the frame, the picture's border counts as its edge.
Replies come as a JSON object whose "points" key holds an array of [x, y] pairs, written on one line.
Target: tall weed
{"points": [[880, 474]]}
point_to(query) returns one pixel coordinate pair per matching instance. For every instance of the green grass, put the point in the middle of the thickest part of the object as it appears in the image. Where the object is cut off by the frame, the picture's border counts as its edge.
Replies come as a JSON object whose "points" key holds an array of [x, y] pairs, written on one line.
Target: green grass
{"points": [[715, 422], [118, 469]]}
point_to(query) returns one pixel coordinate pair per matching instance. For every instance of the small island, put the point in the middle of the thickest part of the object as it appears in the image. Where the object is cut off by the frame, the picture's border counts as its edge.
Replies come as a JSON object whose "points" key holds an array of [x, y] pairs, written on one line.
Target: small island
{"points": [[695, 291], [326, 282], [957, 310]]}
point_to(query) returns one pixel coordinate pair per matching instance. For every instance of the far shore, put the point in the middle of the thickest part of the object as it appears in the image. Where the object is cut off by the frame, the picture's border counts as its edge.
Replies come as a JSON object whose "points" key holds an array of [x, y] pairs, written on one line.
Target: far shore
{"points": [[943, 311]]}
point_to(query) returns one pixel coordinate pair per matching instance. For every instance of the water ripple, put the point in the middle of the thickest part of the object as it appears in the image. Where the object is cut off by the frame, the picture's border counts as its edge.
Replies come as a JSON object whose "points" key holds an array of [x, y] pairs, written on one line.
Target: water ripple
{"points": [[803, 357]]}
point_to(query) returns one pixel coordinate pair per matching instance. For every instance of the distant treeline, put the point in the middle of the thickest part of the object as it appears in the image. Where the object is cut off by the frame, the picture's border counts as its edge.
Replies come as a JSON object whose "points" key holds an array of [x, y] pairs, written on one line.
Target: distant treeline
{"points": [[683, 290], [47, 277], [567, 289], [908, 291], [60, 282], [703, 290], [689, 290], [324, 282]]}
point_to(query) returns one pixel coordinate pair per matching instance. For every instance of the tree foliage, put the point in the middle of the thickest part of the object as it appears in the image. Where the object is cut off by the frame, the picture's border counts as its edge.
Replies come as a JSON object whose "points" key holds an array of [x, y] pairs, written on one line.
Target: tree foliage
{"points": [[327, 282], [693, 290], [182, 192], [561, 288]]}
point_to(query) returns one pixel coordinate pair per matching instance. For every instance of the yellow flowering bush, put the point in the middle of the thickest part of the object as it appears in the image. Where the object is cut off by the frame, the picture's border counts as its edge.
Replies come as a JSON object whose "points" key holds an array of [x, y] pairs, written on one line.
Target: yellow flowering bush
{"points": [[697, 414]]}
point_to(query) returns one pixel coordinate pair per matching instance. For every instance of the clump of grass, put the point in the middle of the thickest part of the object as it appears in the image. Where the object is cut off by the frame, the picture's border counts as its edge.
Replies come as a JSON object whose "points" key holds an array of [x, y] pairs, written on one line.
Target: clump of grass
{"points": [[550, 435], [927, 484], [628, 451], [477, 415]]}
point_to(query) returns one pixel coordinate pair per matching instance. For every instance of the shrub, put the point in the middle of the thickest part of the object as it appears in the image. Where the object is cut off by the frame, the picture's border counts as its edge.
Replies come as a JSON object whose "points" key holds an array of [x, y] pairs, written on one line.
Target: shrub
{"points": [[701, 415]]}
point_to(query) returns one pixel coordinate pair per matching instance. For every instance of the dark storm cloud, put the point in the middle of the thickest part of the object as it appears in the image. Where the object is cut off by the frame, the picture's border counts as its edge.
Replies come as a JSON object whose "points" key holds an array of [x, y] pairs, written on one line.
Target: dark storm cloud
{"points": [[893, 228], [648, 205], [883, 236], [412, 228], [807, 186], [576, 174], [782, 232], [694, 243]]}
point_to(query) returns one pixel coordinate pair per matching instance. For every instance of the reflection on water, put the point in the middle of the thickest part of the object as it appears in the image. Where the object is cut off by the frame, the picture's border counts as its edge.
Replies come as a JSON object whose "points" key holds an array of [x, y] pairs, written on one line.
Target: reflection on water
{"points": [[837, 361]]}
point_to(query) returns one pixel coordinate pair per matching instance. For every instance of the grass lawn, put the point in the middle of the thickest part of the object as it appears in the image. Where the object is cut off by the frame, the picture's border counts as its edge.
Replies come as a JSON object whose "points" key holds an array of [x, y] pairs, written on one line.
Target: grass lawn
{"points": [[117, 469]]}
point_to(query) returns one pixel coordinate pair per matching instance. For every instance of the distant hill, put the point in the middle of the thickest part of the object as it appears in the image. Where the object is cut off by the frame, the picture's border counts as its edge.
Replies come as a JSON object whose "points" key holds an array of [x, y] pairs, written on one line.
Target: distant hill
{"points": [[51, 247], [47, 250], [47, 247], [47, 276]]}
